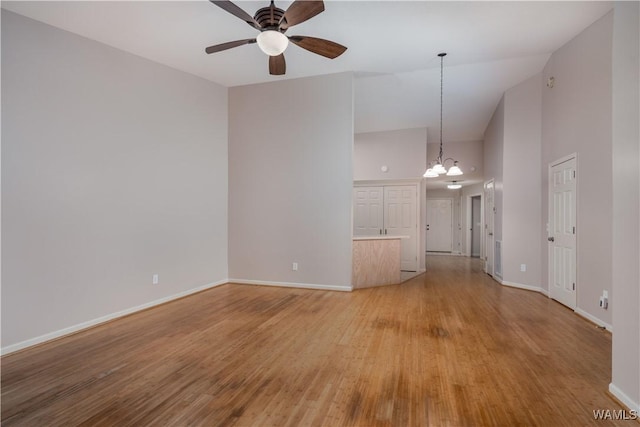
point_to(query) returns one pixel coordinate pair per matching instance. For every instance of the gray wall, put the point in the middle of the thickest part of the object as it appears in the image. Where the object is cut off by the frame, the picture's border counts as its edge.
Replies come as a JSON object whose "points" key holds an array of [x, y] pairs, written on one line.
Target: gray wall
{"points": [[402, 151], [576, 118], [512, 158], [493, 161], [466, 191], [290, 181], [113, 168], [476, 216], [625, 382], [521, 216]]}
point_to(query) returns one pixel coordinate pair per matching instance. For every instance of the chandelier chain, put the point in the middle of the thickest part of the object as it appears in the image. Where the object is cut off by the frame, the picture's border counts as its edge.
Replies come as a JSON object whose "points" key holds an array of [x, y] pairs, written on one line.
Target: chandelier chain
{"points": [[441, 84]]}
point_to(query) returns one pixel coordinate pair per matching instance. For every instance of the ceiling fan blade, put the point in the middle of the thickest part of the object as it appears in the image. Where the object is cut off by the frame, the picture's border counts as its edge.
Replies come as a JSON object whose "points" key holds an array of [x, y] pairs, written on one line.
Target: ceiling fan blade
{"points": [[322, 47], [236, 11], [300, 11], [228, 45], [277, 65]]}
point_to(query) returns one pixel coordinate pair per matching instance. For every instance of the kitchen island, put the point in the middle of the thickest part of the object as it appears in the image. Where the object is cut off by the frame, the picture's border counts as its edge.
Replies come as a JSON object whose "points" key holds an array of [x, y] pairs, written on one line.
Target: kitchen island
{"points": [[376, 261]]}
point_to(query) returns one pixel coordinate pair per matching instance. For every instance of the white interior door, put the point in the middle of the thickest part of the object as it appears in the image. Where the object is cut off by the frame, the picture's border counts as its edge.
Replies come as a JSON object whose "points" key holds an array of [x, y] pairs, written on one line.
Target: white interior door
{"points": [[439, 225], [489, 214], [401, 219], [368, 211], [476, 225], [562, 232]]}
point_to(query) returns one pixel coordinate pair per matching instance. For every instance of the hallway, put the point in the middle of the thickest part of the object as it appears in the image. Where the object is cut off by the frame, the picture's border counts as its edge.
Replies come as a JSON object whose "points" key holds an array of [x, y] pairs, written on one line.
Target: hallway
{"points": [[449, 347]]}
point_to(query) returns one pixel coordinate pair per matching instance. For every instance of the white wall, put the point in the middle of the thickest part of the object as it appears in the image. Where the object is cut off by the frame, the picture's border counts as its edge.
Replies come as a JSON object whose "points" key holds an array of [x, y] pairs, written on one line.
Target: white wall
{"points": [[493, 161], [402, 151], [290, 181], [466, 192], [625, 382], [113, 168], [576, 118], [521, 215]]}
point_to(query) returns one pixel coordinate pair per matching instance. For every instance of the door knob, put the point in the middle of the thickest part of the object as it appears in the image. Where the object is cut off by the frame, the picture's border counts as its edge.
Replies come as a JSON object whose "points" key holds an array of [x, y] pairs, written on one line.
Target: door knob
{"points": [[490, 234], [551, 239]]}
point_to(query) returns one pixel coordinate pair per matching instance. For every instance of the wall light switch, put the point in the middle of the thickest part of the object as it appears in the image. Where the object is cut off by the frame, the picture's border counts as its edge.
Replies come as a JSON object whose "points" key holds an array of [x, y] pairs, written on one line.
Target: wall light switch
{"points": [[523, 267], [294, 267], [155, 279]]}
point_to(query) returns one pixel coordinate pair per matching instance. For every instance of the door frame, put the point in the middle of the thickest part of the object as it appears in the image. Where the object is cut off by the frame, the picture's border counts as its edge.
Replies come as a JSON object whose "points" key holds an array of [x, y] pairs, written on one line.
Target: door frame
{"points": [[550, 166], [490, 272], [420, 207], [469, 214], [452, 200]]}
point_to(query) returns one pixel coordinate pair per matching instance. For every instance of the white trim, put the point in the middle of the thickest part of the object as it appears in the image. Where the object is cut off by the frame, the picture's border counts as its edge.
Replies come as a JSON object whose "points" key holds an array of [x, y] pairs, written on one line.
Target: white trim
{"points": [[385, 182], [564, 159], [576, 272], [594, 319], [292, 285], [485, 220], [469, 219], [91, 323], [623, 398], [545, 292], [521, 286]]}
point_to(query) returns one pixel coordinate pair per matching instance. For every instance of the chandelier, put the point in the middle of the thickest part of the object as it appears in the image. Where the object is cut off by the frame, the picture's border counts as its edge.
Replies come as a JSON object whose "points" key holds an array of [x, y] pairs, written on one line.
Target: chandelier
{"points": [[437, 167]]}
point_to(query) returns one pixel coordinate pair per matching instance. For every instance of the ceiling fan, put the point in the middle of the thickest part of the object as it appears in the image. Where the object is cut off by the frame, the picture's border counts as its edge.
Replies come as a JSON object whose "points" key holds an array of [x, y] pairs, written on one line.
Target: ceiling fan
{"points": [[273, 22]]}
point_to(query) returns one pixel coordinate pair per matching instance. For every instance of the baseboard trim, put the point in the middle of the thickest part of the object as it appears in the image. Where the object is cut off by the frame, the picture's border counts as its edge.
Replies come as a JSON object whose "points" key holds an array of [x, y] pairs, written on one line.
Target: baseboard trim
{"points": [[109, 317], [623, 398], [292, 285], [594, 319], [521, 286]]}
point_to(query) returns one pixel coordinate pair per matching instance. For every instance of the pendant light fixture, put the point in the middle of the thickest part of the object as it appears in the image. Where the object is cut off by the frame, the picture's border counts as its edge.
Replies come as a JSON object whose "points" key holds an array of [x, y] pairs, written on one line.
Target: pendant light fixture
{"points": [[438, 167]]}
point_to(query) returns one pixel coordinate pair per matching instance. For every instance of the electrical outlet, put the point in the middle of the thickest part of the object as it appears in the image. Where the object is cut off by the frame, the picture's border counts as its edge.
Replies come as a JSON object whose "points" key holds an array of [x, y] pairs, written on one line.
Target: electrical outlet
{"points": [[604, 302], [155, 279], [523, 267], [294, 267]]}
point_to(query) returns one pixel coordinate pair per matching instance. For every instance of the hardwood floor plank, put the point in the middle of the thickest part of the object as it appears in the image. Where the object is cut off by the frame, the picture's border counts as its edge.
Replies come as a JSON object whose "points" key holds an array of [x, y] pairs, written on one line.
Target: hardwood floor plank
{"points": [[448, 348]]}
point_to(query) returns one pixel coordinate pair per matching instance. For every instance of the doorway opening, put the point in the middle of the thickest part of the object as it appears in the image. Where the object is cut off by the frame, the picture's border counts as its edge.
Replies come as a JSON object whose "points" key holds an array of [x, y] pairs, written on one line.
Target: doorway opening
{"points": [[476, 226]]}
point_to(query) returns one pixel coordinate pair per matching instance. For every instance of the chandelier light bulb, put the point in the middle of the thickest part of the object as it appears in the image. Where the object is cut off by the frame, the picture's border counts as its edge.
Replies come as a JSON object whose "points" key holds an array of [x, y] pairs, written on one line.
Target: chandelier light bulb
{"points": [[439, 169], [430, 174], [454, 170]]}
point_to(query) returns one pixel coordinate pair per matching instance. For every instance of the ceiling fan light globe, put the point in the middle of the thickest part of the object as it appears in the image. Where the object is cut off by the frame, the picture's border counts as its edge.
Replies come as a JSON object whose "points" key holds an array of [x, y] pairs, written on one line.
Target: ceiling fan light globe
{"points": [[454, 171], [271, 42]]}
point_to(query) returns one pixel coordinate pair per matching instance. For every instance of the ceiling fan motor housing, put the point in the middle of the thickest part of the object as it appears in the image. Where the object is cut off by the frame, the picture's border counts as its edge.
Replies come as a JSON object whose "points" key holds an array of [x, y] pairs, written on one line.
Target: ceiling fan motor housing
{"points": [[269, 18]]}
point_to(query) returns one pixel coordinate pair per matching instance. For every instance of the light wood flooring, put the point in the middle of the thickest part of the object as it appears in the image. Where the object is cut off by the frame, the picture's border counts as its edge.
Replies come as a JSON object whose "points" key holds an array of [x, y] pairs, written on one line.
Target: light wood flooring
{"points": [[447, 348]]}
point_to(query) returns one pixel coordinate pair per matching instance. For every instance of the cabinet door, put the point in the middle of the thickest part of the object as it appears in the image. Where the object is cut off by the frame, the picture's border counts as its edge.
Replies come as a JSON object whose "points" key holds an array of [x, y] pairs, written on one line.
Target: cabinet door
{"points": [[401, 219], [368, 211]]}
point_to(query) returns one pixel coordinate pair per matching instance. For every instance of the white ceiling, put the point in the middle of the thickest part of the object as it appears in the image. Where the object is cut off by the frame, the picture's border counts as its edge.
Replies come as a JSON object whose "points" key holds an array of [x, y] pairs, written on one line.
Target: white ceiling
{"points": [[392, 48]]}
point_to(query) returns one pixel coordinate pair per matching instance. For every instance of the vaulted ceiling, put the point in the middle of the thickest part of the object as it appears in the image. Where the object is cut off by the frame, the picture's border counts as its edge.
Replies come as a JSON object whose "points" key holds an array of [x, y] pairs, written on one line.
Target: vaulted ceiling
{"points": [[392, 49]]}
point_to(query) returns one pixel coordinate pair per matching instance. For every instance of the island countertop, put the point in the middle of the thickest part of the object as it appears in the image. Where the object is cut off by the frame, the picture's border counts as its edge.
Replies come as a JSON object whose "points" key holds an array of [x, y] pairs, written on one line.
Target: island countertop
{"points": [[379, 237]]}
